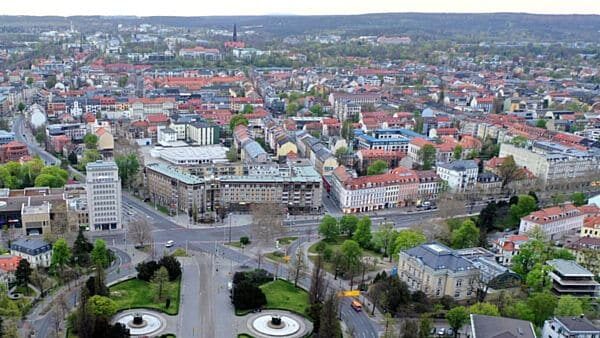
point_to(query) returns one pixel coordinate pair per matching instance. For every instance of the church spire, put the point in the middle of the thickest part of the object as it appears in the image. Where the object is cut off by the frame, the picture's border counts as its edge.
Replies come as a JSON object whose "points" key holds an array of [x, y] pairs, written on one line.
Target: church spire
{"points": [[234, 32]]}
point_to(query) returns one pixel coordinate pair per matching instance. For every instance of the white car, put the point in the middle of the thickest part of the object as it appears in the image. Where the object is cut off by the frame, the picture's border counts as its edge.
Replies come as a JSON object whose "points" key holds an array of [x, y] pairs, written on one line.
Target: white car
{"points": [[170, 243]]}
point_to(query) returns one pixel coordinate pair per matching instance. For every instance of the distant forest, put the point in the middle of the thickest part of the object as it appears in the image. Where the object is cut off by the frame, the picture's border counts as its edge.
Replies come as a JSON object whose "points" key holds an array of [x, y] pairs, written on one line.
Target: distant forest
{"points": [[505, 27]]}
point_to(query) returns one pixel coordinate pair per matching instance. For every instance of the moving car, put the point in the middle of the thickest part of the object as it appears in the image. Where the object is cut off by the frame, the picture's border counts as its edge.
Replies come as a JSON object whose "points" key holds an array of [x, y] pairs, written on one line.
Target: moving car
{"points": [[170, 243], [356, 305]]}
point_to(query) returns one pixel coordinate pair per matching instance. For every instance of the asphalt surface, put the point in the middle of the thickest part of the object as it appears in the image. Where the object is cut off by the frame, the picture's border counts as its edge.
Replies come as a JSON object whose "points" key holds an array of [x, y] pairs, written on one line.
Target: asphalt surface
{"points": [[43, 325]]}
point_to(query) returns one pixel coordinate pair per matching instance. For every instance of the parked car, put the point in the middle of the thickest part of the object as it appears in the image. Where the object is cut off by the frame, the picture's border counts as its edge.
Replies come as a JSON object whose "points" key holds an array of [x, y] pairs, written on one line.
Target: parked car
{"points": [[450, 332], [170, 243], [441, 331]]}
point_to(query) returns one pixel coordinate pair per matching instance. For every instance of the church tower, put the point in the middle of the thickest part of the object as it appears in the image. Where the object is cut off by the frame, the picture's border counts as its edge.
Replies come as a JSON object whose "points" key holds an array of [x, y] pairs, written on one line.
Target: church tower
{"points": [[234, 32]]}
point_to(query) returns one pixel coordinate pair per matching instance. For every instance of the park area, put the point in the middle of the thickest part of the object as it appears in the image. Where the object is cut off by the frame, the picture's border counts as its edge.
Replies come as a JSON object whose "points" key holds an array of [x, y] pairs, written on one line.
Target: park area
{"points": [[136, 293], [284, 295]]}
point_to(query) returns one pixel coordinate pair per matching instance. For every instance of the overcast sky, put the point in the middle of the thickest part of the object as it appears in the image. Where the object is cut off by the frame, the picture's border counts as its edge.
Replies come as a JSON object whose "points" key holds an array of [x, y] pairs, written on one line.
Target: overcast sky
{"points": [[301, 7]]}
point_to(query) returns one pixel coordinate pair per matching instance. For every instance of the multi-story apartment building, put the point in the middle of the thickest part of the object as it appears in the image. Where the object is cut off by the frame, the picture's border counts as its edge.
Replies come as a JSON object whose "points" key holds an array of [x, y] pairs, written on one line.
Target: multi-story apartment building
{"points": [[343, 103], [376, 192], [587, 253], [570, 278], [13, 151], [570, 327], [179, 191], [553, 162], [202, 133], [295, 187], [103, 195], [438, 271], [430, 184], [6, 137], [461, 175], [554, 222], [385, 139]]}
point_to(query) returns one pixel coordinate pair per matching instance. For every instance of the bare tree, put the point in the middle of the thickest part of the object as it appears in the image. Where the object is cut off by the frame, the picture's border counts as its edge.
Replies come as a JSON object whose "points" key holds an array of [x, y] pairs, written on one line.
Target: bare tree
{"points": [[298, 266], [60, 309], [450, 205], [140, 231], [317, 283]]}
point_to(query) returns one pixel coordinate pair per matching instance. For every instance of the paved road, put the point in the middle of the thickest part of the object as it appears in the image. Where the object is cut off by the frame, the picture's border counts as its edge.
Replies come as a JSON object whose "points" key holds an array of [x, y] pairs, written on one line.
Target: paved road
{"points": [[43, 324], [19, 130]]}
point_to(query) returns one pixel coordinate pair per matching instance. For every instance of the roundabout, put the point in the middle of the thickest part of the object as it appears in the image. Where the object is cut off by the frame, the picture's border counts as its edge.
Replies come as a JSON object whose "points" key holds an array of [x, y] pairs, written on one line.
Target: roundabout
{"points": [[278, 323]]}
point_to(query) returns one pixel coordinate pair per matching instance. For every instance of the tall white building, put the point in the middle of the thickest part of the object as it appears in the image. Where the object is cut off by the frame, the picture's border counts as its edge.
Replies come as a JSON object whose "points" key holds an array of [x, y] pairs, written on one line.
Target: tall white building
{"points": [[104, 195]]}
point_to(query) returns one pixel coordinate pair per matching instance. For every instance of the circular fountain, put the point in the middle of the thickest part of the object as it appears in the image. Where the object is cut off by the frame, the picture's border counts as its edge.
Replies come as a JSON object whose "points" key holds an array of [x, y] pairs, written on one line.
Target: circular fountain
{"points": [[276, 325], [140, 323]]}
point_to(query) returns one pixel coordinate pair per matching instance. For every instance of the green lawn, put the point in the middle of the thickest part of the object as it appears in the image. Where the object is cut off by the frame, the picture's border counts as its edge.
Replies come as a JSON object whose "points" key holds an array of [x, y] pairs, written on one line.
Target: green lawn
{"points": [[276, 256], [286, 240], [138, 293], [335, 245], [243, 335], [235, 244], [283, 295]]}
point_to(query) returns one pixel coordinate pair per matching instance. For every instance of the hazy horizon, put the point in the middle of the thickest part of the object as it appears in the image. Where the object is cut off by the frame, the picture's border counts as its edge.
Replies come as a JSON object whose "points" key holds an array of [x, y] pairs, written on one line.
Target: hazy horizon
{"points": [[308, 7]]}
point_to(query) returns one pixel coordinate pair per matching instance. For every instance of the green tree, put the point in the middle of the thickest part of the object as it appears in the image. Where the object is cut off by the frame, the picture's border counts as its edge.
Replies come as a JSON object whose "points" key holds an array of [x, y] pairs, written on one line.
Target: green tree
{"points": [[51, 81], [89, 156], [340, 153], [578, 199], [384, 238], [538, 279], [100, 255], [486, 309], [377, 167], [541, 123], [352, 253], [90, 141], [348, 224], [328, 228], [21, 107], [457, 317], [316, 110], [466, 236], [46, 180], [29, 81], [40, 136], [542, 305], [329, 322], [524, 207], [102, 306], [425, 325], [407, 239], [236, 120], [457, 152], [248, 109], [292, 108], [160, 279], [520, 310], [123, 81], [347, 129], [61, 254], [568, 306], [519, 141], [81, 249], [427, 156], [129, 166], [363, 234], [23, 273]]}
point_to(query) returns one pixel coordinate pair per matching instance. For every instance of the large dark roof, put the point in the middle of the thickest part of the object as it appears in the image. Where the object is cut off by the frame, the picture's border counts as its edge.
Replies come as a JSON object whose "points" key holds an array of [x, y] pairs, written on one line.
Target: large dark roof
{"points": [[500, 327], [574, 324], [31, 246], [439, 257]]}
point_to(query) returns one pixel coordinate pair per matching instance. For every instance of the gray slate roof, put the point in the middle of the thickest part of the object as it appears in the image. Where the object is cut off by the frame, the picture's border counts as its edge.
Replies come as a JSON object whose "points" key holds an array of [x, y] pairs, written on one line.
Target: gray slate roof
{"points": [[440, 257], [31, 246], [500, 327], [578, 324]]}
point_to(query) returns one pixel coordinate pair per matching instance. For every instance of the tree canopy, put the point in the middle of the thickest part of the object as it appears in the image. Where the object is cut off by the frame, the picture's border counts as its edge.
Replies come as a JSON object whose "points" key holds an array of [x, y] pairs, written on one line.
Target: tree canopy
{"points": [[427, 156], [328, 228], [376, 168], [465, 236]]}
